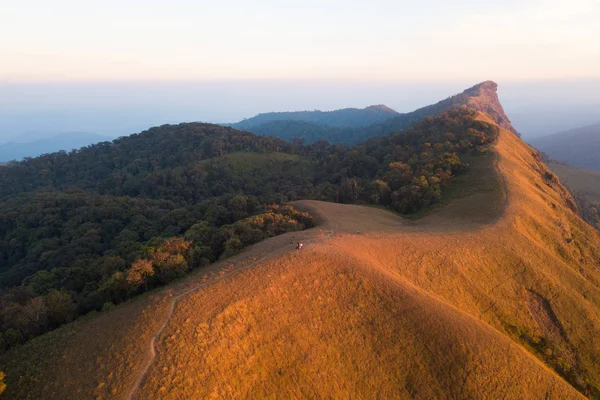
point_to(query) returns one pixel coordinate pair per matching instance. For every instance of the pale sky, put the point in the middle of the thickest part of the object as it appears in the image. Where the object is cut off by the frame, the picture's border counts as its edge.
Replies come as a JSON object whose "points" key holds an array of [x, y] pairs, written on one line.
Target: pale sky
{"points": [[117, 67], [385, 40]]}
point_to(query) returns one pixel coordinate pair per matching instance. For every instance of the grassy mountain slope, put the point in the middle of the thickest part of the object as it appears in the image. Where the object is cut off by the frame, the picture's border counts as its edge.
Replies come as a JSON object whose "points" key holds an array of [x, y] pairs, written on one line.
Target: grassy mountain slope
{"points": [[347, 117], [449, 306], [579, 147], [530, 280], [481, 97]]}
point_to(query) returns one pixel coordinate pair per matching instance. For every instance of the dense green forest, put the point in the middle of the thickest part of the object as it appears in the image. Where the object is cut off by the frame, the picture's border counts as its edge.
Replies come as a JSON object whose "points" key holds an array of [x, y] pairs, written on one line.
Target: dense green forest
{"points": [[83, 230]]}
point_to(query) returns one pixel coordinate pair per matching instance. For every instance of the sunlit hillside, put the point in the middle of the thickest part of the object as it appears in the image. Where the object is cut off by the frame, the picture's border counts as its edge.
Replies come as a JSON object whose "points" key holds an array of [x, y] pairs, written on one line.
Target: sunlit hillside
{"points": [[492, 295]]}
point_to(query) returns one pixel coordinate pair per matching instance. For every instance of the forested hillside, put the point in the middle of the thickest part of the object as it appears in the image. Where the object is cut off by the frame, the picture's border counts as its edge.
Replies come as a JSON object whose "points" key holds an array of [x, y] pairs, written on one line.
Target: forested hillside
{"points": [[83, 230]]}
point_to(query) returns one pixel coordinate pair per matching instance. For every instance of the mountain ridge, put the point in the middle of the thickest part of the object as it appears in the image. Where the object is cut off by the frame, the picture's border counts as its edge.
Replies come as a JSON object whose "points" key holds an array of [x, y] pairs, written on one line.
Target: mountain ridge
{"points": [[480, 97]]}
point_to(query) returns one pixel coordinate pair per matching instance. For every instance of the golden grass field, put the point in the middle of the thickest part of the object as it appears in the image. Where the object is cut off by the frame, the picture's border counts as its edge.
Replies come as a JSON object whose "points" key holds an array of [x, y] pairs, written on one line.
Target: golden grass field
{"points": [[494, 295]]}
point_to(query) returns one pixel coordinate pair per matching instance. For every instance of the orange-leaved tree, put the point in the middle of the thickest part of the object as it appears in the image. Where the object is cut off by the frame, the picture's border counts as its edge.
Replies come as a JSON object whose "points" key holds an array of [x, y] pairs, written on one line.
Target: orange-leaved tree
{"points": [[139, 272], [2, 384]]}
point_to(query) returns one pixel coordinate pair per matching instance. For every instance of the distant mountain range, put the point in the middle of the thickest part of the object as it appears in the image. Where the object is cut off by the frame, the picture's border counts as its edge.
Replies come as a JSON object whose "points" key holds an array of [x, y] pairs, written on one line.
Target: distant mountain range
{"points": [[579, 147], [63, 141], [351, 126], [347, 117]]}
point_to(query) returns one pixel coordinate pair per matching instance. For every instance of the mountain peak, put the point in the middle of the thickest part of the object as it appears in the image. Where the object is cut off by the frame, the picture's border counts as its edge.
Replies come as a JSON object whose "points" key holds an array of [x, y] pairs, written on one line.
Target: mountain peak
{"points": [[487, 86], [484, 97], [381, 107]]}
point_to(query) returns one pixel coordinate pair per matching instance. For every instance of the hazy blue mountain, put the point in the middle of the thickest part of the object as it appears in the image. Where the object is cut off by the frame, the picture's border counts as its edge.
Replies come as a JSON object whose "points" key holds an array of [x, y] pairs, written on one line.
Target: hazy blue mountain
{"points": [[536, 121], [64, 141], [579, 147], [347, 117]]}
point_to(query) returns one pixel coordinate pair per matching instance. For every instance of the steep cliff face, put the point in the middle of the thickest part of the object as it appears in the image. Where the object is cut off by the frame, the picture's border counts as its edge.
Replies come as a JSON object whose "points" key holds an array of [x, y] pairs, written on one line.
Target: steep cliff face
{"points": [[481, 97], [484, 97]]}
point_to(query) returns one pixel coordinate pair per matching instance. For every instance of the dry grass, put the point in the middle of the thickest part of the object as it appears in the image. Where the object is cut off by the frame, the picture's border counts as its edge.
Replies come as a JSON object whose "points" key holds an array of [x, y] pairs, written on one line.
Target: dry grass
{"points": [[335, 328], [454, 305]]}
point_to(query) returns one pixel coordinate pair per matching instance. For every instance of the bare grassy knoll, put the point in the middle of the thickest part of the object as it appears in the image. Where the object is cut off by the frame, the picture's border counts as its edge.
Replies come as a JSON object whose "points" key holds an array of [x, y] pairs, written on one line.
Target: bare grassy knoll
{"points": [[495, 295]]}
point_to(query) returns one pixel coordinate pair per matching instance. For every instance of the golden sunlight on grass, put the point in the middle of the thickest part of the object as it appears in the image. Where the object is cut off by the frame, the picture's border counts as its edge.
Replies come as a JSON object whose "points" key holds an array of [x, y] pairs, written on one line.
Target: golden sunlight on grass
{"points": [[493, 295]]}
